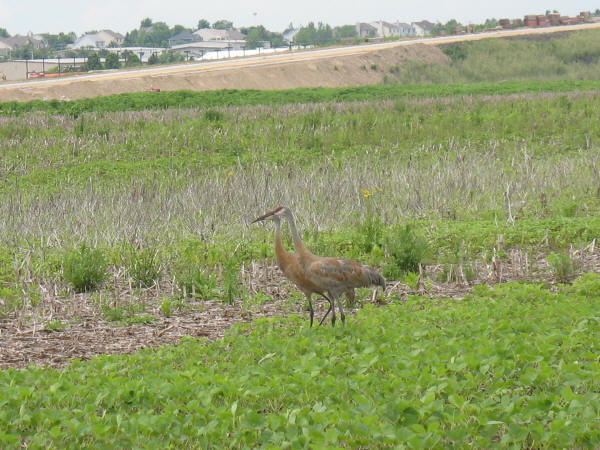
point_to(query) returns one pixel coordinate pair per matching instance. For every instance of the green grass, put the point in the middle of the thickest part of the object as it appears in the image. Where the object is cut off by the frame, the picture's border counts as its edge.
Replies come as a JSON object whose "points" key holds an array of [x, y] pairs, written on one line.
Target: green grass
{"points": [[543, 58], [231, 97], [182, 185], [514, 365]]}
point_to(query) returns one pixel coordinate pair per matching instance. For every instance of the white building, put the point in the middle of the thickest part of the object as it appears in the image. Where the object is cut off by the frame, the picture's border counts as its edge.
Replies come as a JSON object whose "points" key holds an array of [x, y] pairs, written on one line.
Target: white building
{"points": [[423, 27], [210, 34], [99, 40]]}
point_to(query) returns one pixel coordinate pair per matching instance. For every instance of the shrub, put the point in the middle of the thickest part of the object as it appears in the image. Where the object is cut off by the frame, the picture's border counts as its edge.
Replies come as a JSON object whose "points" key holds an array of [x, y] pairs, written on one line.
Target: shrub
{"points": [[231, 281], [564, 268], [85, 268], [143, 266], [588, 285], [193, 278], [212, 115], [406, 251]]}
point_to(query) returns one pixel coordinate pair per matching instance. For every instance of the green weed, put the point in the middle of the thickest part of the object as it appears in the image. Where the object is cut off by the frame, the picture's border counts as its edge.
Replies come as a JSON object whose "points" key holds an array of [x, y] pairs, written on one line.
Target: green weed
{"points": [[231, 283], [143, 266], [406, 250], [564, 267], [85, 268], [55, 325], [512, 365]]}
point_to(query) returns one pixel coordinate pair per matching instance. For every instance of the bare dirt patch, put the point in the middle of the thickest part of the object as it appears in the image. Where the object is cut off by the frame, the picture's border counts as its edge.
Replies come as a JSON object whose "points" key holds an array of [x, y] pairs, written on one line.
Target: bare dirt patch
{"points": [[330, 71], [27, 339]]}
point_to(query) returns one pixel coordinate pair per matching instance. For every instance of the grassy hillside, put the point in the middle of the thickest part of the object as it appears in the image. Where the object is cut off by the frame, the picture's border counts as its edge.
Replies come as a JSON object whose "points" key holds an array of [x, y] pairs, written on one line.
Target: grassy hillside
{"points": [[565, 56], [515, 365]]}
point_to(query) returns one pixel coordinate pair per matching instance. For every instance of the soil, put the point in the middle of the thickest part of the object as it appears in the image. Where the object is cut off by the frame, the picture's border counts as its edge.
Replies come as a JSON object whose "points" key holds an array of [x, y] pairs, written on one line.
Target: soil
{"points": [[326, 71], [27, 338], [345, 66]]}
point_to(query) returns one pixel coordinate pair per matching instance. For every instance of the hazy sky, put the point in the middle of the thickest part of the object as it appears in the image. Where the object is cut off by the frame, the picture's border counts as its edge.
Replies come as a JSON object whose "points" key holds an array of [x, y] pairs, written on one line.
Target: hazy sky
{"points": [[53, 16]]}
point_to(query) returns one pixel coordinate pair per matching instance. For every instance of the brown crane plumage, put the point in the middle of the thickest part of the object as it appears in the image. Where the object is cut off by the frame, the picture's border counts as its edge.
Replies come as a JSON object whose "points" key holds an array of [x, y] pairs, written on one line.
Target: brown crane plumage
{"points": [[316, 274]]}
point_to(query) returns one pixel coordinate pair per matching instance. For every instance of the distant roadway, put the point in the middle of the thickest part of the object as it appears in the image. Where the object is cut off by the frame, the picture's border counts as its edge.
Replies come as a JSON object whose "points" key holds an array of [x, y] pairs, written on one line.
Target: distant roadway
{"points": [[286, 57]]}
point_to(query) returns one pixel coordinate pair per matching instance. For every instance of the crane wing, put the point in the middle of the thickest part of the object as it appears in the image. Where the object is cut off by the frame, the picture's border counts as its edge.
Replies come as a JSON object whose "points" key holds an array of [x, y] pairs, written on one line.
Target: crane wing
{"points": [[334, 273]]}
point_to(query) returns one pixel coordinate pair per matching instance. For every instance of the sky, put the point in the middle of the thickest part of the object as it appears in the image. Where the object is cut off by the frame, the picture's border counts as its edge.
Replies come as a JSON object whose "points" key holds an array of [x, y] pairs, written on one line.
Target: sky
{"points": [[79, 16]]}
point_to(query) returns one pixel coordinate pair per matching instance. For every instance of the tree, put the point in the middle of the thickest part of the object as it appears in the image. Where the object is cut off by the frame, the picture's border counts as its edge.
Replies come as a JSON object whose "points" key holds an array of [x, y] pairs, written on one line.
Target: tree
{"points": [[93, 62], [255, 36], [223, 25], [311, 35], [146, 23], [132, 60], [130, 38], [491, 23], [4, 33], [177, 29], [170, 57], [112, 61], [153, 59], [345, 31], [203, 23]]}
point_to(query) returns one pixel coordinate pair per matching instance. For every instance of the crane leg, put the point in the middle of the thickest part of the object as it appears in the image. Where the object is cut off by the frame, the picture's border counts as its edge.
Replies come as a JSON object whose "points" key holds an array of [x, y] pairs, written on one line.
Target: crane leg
{"points": [[342, 315], [325, 316], [332, 302], [311, 310]]}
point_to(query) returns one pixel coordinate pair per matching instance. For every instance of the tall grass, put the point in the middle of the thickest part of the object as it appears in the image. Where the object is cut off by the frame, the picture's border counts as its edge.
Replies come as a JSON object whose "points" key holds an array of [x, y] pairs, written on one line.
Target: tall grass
{"points": [[186, 183], [568, 56]]}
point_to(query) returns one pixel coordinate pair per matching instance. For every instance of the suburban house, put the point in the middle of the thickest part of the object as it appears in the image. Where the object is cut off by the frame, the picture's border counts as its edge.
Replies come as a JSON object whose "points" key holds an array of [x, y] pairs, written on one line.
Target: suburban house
{"points": [[405, 29], [5, 48], [381, 29], [423, 27], [365, 30], [210, 34], [13, 43], [185, 37], [385, 29], [101, 39]]}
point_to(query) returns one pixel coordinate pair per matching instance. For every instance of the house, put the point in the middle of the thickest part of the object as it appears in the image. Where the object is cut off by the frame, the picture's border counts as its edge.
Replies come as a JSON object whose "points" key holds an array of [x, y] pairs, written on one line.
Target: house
{"points": [[385, 29], [210, 34], [185, 37], [200, 48], [7, 45], [423, 28], [101, 39], [405, 29], [365, 30], [17, 41], [5, 48]]}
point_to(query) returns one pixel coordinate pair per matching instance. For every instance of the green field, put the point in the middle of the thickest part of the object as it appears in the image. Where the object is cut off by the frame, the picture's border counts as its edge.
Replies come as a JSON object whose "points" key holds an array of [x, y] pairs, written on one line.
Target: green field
{"points": [[516, 365], [139, 207]]}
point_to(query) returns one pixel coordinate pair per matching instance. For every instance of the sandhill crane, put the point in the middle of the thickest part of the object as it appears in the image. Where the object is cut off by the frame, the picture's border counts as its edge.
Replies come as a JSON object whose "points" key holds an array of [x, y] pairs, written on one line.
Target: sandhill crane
{"points": [[332, 275], [290, 266]]}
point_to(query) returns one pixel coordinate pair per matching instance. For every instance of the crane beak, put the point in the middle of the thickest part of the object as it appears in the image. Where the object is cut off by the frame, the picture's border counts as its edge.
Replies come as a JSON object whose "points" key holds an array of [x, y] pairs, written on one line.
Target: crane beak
{"points": [[263, 217]]}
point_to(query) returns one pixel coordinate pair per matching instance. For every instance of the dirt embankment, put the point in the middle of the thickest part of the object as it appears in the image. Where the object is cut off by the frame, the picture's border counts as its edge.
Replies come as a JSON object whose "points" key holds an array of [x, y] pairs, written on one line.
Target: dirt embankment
{"points": [[327, 71]]}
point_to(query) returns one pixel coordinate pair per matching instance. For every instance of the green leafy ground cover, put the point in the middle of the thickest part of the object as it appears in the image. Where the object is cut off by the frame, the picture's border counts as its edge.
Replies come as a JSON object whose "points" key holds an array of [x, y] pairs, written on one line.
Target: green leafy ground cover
{"points": [[513, 365], [231, 97]]}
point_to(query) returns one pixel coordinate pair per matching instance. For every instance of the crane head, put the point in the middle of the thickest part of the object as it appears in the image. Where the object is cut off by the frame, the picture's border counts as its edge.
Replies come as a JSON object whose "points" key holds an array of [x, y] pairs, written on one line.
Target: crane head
{"points": [[270, 215]]}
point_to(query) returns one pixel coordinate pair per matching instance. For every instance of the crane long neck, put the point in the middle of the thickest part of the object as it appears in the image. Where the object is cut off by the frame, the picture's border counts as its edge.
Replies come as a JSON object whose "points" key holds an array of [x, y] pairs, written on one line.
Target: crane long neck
{"points": [[298, 244], [279, 250]]}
